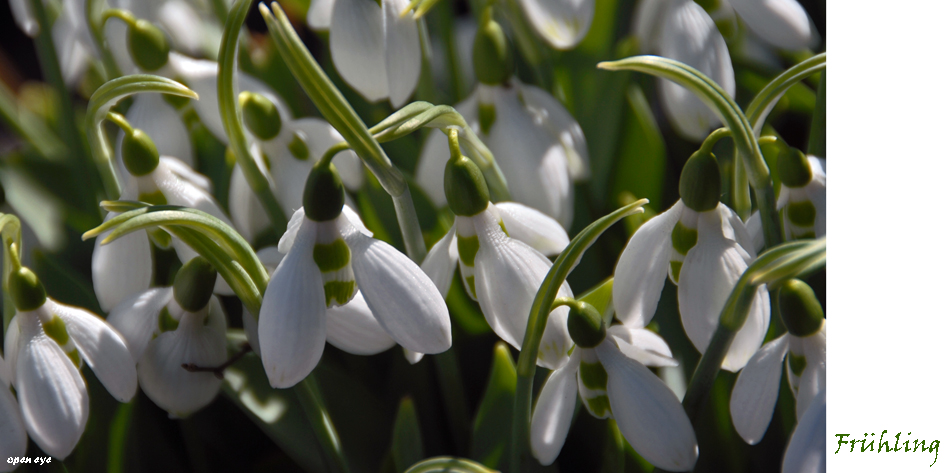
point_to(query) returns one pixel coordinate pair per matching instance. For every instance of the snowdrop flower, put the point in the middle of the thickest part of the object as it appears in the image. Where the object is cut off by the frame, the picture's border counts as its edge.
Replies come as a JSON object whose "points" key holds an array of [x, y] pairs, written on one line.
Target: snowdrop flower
{"points": [[46, 344], [537, 143], [124, 267], [802, 348], [327, 259], [608, 369], [783, 24], [562, 23], [500, 251], [12, 429], [704, 247], [801, 198], [374, 48], [285, 150], [682, 30]]}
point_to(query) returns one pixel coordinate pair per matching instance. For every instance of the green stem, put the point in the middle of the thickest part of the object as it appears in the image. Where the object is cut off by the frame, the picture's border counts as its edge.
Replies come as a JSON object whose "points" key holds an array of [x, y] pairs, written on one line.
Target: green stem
{"points": [[816, 136], [765, 100], [537, 321], [409, 226], [309, 395], [10, 232], [713, 138], [96, 27], [231, 116]]}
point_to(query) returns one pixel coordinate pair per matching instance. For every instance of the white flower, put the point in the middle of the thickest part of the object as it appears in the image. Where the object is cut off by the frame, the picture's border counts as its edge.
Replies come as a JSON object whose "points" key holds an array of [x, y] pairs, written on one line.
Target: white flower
{"points": [[162, 336], [162, 123], [803, 207], [705, 253], [781, 23], [562, 23], [45, 348], [325, 263], [189, 29], [613, 382], [124, 267], [756, 390], [538, 146], [501, 255], [806, 449], [12, 429], [375, 50]]}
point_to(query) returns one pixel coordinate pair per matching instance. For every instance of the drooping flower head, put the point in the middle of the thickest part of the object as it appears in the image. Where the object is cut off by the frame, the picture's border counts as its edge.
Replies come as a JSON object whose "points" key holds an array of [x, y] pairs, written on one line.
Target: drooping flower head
{"points": [[607, 368], [46, 344], [328, 259], [168, 327], [801, 198], [704, 248]]}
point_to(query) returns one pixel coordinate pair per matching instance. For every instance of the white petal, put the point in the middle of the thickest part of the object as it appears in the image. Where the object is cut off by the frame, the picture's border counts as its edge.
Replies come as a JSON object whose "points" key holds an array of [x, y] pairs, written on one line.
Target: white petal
{"points": [[689, 35], [353, 328], [163, 379], [552, 414], [753, 227], [52, 393], [183, 24], [161, 122], [23, 14], [734, 228], [532, 157], [357, 47], [562, 23], [782, 23], [292, 323], [355, 220], [121, 268], [648, 21], [553, 116], [430, 171], [541, 232], [412, 357], [318, 16], [293, 226], [103, 348], [642, 345], [11, 340], [710, 271], [403, 299], [71, 53], [806, 449], [812, 382], [815, 190], [647, 412], [508, 274], [441, 262], [180, 188], [756, 390], [642, 268], [12, 430], [402, 50], [136, 318]]}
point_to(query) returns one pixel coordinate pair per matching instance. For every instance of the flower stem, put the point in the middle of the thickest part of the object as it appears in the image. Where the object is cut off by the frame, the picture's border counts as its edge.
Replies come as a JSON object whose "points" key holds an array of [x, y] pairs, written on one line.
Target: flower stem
{"points": [[309, 395], [97, 23]]}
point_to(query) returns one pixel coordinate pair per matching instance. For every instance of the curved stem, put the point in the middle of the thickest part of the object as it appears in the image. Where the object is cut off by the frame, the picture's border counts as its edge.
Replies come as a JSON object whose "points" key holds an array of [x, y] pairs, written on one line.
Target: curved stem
{"points": [[331, 152], [120, 120], [765, 100], [713, 138], [10, 232], [537, 321], [449, 464], [231, 117], [96, 25]]}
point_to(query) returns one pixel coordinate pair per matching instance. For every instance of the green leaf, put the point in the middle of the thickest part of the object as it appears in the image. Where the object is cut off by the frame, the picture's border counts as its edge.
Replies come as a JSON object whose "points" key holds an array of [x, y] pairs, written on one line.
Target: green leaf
{"points": [[492, 428], [449, 465], [407, 436]]}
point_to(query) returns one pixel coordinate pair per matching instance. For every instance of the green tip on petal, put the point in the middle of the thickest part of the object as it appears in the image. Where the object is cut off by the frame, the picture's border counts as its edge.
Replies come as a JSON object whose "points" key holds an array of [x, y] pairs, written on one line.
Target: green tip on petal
{"points": [[260, 115], [792, 168], [148, 45], [799, 308], [491, 55], [139, 153], [323, 196], [26, 290], [298, 147], [585, 325], [700, 184], [194, 284], [465, 187]]}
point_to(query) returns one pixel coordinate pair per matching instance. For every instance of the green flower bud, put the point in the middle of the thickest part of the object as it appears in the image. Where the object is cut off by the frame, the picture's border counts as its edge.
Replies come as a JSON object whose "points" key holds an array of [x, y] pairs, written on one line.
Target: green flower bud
{"points": [[465, 187], [26, 290], [491, 55], [323, 195], [700, 184], [585, 325], [799, 308], [194, 284], [148, 45], [139, 153], [260, 115], [793, 168]]}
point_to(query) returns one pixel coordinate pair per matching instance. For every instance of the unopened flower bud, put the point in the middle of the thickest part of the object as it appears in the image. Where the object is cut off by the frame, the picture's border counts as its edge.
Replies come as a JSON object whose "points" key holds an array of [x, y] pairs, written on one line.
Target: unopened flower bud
{"points": [[465, 187], [194, 284], [139, 153], [585, 325], [260, 115], [491, 55], [26, 290], [700, 184], [799, 308], [323, 196], [148, 45]]}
